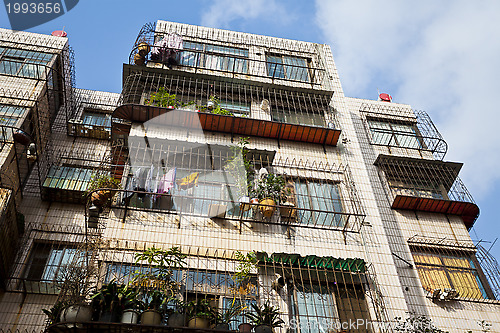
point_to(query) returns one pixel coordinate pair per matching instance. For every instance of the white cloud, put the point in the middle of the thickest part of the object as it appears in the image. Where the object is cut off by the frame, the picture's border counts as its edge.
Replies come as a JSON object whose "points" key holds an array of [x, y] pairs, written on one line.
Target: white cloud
{"points": [[222, 13], [439, 56]]}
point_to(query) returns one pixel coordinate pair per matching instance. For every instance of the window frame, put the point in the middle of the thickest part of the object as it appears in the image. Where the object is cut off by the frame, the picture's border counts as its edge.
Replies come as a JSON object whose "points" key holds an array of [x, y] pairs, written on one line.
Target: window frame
{"points": [[377, 134], [277, 64], [202, 55], [23, 59], [449, 273]]}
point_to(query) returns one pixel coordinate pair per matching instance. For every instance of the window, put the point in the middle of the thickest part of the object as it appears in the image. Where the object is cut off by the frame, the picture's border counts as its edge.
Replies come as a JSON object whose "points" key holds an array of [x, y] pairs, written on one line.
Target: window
{"points": [[23, 63], [68, 178], [223, 58], [237, 108], [324, 306], [318, 202], [459, 272], [299, 118], [398, 135], [287, 67], [96, 119]]}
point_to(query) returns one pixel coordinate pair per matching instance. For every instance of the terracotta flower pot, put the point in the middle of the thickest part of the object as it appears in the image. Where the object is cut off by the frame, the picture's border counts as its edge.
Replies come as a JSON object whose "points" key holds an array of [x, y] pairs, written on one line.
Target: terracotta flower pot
{"points": [[245, 327], [198, 322], [151, 317], [99, 198], [268, 207]]}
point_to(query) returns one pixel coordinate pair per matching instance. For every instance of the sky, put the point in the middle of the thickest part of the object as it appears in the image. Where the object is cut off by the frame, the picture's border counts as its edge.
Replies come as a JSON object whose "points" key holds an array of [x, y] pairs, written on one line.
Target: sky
{"points": [[439, 56]]}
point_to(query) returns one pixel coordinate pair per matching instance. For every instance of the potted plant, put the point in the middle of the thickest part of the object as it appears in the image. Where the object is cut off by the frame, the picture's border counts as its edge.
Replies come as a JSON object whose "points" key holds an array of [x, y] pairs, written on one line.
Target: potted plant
{"points": [[213, 106], [54, 313], [77, 280], [269, 191], [157, 284], [239, 168], [104, 182], [265, 318], [177, 317], [287, 208], [200, 314], [226, 316], [105, 302], [130, 305], [154, 307]]}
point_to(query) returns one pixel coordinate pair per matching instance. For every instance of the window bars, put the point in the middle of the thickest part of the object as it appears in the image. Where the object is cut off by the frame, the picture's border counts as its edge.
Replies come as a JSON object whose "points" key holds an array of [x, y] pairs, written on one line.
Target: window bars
{"points": [[91, 118], [450, 270], [212, 181], [211, 51], [426, 185], [401, 127]]}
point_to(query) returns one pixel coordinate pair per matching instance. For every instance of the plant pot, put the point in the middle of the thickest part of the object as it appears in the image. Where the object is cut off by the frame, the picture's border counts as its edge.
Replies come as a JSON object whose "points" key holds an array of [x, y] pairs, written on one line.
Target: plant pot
{"points": [[151, 317], [130, 317], [287, 210], [21, 137], [267, 207], [74, 314], [99, 198], [222, 327], [176, 319], [245, 204], [139, 59], [143, 49], [109, 317], [263, 329], [245, 327], [198, 322]]}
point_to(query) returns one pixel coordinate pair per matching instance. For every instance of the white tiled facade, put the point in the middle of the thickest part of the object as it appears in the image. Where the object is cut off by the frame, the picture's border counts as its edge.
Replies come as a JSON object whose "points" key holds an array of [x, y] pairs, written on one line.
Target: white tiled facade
{"points": [[380, 239]]}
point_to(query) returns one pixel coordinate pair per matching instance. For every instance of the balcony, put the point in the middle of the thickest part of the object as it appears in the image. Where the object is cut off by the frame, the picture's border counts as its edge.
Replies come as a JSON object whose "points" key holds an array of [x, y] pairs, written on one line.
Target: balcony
{"points": [[398, 127], [211, 55], [240, 109], [212, 181], [322, 290], [427, 185]]}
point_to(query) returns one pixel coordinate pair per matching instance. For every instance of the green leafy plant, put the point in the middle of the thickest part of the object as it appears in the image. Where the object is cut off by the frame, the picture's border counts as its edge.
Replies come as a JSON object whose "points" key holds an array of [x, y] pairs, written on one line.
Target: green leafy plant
{"points": [[156, 283], [54, 313], [216, 108], [240, 167], [200, 308], [270, 186], [265, 314], [226, 316], [246, 263]]}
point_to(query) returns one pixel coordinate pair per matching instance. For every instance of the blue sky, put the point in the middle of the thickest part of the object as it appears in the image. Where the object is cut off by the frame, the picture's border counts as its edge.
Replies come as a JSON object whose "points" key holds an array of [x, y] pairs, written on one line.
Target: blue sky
{"points": [[438, 56]]}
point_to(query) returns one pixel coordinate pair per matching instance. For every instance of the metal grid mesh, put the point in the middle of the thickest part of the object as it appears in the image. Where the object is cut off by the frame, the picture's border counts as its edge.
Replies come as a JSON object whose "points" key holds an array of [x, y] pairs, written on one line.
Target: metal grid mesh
{"points": [[218, 58], [450, 270], [401, 127]]}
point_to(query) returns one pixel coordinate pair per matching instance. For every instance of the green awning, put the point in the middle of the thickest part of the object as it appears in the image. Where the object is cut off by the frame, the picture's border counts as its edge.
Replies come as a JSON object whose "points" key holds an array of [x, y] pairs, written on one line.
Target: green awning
{"points": [[353, 265]]}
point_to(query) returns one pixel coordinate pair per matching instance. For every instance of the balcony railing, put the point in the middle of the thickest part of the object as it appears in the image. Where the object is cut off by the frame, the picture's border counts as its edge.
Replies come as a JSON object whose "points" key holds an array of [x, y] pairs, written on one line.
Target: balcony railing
{"points": [[201, 181], [269, 113], [399, 127], [427, 185], [210, 56]]}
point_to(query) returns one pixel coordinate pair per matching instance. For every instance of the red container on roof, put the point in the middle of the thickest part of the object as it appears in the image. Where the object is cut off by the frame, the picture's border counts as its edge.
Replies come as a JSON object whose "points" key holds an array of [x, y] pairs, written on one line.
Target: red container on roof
{"points": [[59, 33], [385, 97]]}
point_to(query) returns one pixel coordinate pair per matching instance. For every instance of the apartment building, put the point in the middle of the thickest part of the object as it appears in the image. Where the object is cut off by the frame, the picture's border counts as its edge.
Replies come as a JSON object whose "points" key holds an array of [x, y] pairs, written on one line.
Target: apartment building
{"points": [[236, 174]]}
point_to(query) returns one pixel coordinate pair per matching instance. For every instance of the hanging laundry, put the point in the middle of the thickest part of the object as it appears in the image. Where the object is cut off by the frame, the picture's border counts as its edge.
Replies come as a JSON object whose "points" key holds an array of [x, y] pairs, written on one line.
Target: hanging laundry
{"points": [[131, 186], [167, 181], [149, 184], [140, 181], [167, 48], [189, 181]]}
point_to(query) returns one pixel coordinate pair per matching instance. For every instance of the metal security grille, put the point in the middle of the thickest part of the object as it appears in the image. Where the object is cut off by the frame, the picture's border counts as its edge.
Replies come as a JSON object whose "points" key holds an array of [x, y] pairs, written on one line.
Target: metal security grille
{"points": [[401, 127], [449, 270], [426, 185]]}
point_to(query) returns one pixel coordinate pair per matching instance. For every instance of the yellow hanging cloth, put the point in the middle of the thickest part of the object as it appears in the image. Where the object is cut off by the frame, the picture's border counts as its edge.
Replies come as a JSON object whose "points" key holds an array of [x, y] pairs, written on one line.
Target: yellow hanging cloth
{"points": [[188, 181]]}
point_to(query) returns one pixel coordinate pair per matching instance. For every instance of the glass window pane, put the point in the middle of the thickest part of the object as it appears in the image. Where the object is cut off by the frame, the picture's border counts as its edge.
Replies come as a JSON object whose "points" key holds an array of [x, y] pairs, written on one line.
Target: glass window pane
{"points": [[296, 69], [9, 67], [275, 67]]}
